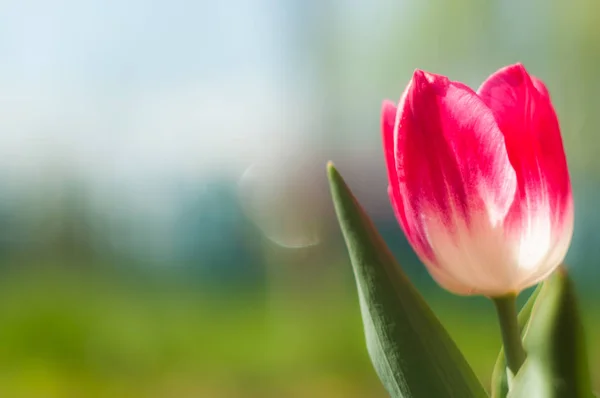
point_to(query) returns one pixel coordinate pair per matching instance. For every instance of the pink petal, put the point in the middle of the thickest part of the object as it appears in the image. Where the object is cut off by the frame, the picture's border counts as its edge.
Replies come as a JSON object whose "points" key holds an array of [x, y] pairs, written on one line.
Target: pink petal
{"points": [[414, 230], [450, 154], [524, 112], [388, 120]]}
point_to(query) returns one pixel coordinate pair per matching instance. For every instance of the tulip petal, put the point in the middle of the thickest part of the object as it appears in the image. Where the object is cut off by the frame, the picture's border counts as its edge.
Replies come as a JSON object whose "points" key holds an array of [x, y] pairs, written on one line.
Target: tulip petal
{"points": [[388, 120], [541, 218], [467, 164], [556, 171], [414, 232], [413, 228]]}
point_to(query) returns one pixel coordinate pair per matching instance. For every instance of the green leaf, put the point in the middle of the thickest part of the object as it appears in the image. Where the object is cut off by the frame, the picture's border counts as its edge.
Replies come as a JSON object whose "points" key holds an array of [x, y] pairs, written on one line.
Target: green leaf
{"points": [[499, 376], [557, 363], [411, 351]]}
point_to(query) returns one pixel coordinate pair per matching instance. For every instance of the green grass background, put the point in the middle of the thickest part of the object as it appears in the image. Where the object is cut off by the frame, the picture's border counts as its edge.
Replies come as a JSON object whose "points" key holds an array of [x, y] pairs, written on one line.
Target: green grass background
{"points": [[76, 332]]}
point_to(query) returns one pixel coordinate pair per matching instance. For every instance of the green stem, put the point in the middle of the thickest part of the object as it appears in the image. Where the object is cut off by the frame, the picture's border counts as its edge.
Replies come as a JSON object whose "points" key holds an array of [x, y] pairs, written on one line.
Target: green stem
{"points": [[506, 307]]}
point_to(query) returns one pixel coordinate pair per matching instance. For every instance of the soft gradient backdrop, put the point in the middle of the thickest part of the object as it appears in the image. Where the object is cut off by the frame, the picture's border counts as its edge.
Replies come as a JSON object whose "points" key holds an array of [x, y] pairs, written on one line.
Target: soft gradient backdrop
{"points": [[165, 224]]}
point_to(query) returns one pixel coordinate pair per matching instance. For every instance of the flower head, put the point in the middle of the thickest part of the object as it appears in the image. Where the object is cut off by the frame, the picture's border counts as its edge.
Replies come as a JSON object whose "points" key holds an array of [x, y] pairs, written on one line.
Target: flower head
{"points": [[479, 180]]}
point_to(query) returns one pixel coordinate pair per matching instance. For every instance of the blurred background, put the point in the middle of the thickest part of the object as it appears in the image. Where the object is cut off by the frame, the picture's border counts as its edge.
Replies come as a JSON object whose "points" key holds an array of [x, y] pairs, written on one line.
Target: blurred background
{"points": [[165, 224]]}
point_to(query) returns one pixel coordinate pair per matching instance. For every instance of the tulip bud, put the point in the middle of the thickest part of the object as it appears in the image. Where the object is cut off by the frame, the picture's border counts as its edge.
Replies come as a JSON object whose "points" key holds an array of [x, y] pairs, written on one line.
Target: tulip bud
{"points": [[479, 181]]}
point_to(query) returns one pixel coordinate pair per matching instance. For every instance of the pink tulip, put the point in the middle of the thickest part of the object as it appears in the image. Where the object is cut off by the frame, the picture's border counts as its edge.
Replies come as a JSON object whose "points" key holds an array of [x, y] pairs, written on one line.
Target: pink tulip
{"points": [[479, 180]]}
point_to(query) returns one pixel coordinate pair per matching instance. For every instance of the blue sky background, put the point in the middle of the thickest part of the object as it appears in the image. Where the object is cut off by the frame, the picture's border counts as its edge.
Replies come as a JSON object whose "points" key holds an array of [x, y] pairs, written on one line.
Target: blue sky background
{"points": [[137, 87]]}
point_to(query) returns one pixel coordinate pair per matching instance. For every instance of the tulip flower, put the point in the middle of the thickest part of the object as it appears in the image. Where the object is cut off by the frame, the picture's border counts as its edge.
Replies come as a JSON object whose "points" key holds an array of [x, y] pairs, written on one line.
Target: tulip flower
{"points": [[479, 183], [478, 180]]}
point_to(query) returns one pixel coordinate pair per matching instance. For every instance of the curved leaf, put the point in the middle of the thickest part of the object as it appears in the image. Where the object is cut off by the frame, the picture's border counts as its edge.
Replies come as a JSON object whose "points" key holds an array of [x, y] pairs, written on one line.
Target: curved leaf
{"points": [[411, 351], [557, 363]]}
